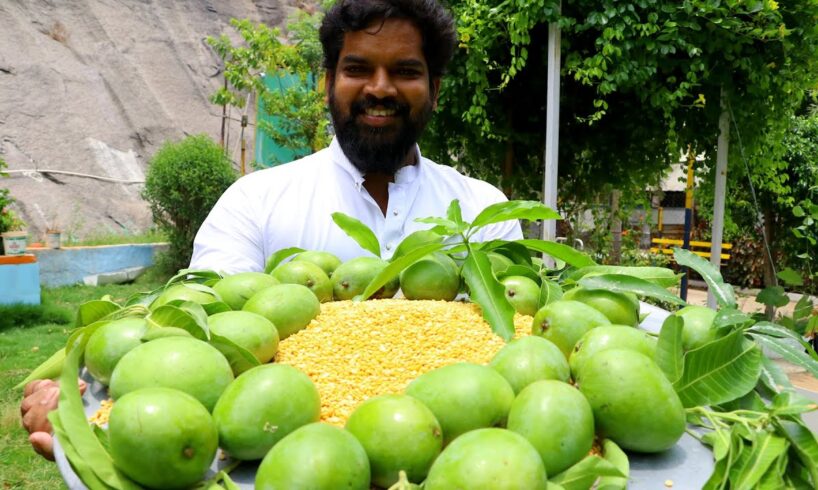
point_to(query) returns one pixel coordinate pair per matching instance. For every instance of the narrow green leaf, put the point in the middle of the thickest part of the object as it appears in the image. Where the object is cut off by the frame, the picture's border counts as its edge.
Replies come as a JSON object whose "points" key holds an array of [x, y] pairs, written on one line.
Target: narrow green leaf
{"points": [[569, 255], [719, 440], [765, 450], [154, 333], [216, 307], [717, 478], [454, 214], [803, 442], [49, 369], [78, 431], [661, 276], [174, 316], [775, 331], [792, 403], [773, 377], [727, 318], [629, 284], [584, 473], [722, 291], [519, 270], [415, 240], [359, 232], [504, 211], [82, 468], [773, 479], [550, 291], [447, 226], [395, 267], [274, 260], [788, 352], [193, 275], [803, 308], [516, 251], [614, 455], [91, 311], [719, 371], [487, 292], [228, 483], [669, 351], [240, 359], [144, 298]]}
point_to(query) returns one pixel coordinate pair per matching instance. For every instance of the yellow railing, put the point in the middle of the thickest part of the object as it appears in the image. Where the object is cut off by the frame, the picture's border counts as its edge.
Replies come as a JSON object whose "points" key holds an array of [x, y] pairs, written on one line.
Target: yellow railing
{"points": [[664, 245]]}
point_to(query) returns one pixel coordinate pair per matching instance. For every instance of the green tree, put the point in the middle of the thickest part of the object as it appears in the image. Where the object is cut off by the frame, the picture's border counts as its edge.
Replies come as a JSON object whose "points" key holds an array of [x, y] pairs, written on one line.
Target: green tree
{"points": [[183, 183], [302, 123], [640, 81]]}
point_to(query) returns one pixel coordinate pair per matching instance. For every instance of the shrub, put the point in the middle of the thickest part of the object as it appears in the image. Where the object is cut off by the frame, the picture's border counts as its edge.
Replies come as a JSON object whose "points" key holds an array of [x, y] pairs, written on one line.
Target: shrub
{"points": [[184, 181]]}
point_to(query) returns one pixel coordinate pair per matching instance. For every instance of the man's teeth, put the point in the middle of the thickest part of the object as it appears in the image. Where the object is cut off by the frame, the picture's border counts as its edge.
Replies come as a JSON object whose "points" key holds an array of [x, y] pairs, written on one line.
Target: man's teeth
{"points": [[380, 112]]}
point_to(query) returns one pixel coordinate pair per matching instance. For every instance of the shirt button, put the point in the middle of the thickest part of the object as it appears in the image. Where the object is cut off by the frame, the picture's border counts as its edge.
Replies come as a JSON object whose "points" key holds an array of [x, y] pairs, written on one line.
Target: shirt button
{"points": [[395, 212], [389, 246]]}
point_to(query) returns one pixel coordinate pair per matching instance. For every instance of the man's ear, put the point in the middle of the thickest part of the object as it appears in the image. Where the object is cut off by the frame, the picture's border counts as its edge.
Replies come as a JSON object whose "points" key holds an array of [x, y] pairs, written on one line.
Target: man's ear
{"points": [[329, 79], [435, 91]]}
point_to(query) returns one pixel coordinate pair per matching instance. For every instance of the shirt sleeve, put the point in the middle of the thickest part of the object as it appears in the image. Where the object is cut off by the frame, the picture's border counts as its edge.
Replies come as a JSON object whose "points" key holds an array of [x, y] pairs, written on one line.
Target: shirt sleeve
{"points": [[230, 239]]}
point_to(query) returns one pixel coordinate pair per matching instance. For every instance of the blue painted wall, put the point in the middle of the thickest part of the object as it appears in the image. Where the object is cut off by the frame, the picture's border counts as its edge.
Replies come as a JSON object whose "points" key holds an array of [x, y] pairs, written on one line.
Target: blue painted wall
{"points": [[20, 283], [64, 266]]}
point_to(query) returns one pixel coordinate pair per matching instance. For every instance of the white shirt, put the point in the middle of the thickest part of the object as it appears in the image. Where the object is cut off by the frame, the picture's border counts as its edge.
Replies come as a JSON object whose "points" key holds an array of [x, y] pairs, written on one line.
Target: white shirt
{"points": [[291, 206]]}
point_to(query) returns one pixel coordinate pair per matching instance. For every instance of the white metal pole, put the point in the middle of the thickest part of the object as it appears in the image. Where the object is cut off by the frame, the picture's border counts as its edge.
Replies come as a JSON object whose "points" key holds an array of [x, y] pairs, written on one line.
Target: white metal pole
{"points": [[717, 229], [552, 128]]}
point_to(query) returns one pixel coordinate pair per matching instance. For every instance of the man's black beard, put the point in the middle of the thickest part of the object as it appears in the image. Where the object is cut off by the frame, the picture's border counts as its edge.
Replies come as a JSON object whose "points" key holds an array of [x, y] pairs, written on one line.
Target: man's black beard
{"points": [[377, 149]]}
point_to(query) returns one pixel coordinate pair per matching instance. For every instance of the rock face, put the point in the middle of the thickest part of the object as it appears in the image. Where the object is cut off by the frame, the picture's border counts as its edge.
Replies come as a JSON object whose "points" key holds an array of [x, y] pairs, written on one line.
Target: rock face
{"points": [[95, 87]]}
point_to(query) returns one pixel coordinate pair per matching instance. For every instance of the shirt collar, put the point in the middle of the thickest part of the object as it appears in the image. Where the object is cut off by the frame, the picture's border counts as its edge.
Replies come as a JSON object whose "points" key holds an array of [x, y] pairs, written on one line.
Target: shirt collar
{"points": [[404, 175]]}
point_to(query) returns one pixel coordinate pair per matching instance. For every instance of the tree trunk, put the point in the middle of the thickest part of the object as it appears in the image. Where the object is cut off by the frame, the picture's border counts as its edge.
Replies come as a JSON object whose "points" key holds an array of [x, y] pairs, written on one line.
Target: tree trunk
{"points": [[616, 228], [769, 274]]}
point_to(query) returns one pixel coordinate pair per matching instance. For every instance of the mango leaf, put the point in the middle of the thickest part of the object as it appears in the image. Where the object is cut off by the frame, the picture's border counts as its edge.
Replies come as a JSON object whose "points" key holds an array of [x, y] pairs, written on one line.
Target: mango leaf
{"points": [[444, 226], [669, 351], [174, 316], [792, 403], [193, 275], [487, 292], [719, 441], [773, 377], [196, 311], [583, 474], [569, 255], [765, 450], [279, 256], [728, 318], [722, 291], [553, 486], [395, 267], [455, 215], [614, 455], [414, 240], [359, 232], [240, 359], [773, 296], [774, 330], [82, 468], [790, 353], [803, 443], [504, 211], [144, 298], [719, 371], [49, 369], [516, 251], [629, 284], [91, 311], [791, 277], [519, 270], [661, 276], [154, 333], [773, 479], [216, 307], [77, 431], [550, 291]]}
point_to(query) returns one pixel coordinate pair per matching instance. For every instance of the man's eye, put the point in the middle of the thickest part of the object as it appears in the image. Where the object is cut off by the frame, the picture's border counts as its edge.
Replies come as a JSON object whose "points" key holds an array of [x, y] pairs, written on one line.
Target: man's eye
{"points": [[408, 72], [355, 69]]}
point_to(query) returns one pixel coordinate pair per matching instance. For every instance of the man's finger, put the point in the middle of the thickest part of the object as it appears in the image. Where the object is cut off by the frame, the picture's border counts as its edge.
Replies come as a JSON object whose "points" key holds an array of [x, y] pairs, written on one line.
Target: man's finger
{"points": [[37, 385], [43, 444]]}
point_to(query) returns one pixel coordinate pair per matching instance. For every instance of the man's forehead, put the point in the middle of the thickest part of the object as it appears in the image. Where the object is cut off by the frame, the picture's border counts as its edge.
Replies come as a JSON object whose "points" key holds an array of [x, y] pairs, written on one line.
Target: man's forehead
{"points": [[389, 37]]}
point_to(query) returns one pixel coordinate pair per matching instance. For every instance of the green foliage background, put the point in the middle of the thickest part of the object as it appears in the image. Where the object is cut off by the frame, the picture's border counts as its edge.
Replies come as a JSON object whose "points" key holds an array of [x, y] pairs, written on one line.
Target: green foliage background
{"points": [[184, 181]]}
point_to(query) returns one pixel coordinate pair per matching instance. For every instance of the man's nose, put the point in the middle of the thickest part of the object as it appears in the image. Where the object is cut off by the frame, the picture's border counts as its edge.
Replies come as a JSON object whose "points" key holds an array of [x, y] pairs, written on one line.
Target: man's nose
{"points": [[380, 84]]}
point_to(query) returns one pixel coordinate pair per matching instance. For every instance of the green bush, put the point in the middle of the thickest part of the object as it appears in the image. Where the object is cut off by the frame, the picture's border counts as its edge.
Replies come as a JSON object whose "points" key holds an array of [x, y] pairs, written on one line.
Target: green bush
{"points": [[184, 181]]}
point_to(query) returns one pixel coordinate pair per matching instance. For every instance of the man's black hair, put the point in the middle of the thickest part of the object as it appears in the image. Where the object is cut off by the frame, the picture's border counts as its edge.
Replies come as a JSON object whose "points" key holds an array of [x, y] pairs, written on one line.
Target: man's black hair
{"points": [[432, 19]]}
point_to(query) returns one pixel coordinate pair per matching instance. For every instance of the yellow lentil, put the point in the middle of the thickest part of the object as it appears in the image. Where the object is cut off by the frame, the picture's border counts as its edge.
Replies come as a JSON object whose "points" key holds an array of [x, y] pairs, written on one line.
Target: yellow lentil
{"points": [[100, 417], [356, 350]]}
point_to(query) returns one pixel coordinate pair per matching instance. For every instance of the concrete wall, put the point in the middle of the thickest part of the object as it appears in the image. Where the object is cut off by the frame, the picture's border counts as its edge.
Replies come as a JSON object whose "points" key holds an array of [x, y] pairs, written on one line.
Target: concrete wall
{"points": [[19, 279], [94, 265]]}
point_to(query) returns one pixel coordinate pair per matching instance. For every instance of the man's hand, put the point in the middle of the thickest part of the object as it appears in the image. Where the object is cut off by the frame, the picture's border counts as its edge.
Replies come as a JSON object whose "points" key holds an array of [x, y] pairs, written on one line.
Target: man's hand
{"points": [[39, 398]]}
